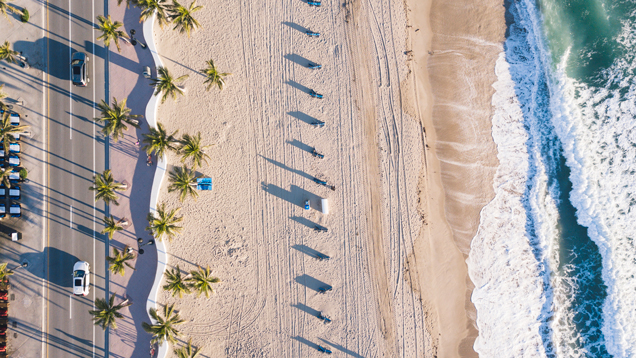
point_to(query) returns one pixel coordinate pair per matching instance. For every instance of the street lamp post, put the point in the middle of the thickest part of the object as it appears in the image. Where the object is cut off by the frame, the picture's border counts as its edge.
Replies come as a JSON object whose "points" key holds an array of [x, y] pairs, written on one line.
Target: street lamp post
{"points": [[133, 40], [24, 264], [140, 240]]}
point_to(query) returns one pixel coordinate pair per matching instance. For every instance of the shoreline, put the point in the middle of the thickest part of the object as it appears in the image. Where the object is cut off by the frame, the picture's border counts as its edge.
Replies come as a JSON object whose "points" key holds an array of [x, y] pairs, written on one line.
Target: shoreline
{"points": [[461, 163]]}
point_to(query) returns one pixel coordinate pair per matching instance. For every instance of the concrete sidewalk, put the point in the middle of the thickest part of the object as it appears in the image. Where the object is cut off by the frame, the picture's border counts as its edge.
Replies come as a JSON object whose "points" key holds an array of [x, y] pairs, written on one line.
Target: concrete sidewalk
{"points": [[128, 163]]}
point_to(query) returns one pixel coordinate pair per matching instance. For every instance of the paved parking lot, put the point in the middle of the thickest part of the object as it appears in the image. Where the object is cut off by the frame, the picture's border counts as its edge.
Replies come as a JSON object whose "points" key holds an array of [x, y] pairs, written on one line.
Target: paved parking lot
{"points": [[25, 96]]}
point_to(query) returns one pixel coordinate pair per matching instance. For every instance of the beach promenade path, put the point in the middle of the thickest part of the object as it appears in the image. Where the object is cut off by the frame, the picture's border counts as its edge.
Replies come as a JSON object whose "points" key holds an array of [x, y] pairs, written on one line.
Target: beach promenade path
{"points": [[128, 162]]}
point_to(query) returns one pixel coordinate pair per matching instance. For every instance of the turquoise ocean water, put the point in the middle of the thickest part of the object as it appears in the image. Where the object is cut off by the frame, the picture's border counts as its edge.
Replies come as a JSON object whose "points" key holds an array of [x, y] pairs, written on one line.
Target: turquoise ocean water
{"points": [[554, 259]]}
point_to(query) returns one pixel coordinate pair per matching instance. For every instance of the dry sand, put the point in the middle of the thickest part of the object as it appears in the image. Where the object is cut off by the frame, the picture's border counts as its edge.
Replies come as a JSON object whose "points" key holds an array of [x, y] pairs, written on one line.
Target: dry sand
{"points": [[399, 279]]}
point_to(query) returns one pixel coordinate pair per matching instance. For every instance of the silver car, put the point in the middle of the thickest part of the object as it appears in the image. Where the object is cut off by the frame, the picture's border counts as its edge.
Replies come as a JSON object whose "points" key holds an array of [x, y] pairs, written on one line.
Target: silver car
{"points": [[79, 74], [81, 278]]}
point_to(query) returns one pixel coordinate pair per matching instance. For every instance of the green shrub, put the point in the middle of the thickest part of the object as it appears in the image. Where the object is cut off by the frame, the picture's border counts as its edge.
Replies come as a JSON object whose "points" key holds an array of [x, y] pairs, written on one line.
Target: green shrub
{"points": [[23, 174], [25, 15]]}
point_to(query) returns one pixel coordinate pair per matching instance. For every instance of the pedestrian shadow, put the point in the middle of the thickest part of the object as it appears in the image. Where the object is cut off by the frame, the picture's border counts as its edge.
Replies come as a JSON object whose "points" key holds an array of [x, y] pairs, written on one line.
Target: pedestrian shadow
{"points": [[295, 195], [300, 145], [342, 349], [298, 86], [297, 59], [307, 309], [310, 282], [283, 166], [295, 26], [304, 221], [308, 251], [305, 341], [303, 117]]}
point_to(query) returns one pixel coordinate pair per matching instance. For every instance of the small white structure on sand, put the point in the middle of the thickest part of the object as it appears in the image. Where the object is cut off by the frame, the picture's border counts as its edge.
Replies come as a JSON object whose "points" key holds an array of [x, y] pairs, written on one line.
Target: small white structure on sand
{"points": [[324, 205]]}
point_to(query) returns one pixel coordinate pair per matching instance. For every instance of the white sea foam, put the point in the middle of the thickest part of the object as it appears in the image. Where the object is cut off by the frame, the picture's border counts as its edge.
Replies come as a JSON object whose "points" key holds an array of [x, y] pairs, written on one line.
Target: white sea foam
{"points": [[509, 289], [598, 132], [524, 303]]}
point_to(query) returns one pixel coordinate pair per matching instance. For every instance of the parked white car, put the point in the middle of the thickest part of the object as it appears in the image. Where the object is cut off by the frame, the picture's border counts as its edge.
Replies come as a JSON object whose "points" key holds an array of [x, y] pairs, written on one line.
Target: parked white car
{"points": [[81, 278]]}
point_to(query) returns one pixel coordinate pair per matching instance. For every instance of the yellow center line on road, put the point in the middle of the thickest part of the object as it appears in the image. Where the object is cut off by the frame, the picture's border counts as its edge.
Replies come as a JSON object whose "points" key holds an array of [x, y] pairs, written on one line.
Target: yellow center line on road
{"points": [[45, 231], [46, 189]]}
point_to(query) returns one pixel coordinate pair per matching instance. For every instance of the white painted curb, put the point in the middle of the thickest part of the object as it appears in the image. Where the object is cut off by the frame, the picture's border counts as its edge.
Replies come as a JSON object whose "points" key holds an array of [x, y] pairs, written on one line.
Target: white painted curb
{"points": [[160, 173]]}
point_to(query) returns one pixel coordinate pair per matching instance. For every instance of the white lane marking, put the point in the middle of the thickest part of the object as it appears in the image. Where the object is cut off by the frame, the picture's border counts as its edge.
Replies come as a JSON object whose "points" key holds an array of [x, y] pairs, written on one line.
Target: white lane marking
{"points": [[94, 141], [70, 219], [70, 89], [45, 326], [70, 306]]}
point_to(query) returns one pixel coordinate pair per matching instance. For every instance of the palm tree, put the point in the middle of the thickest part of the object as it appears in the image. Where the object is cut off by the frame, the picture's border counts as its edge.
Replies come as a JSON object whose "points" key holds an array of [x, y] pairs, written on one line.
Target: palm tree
{"points": [[183, 180], [4, 272], [182, 16], [175, 283], [110, 32], [153, 7], [4, 7], [9, 55], [213, 77], [202, 281], [4, 177], [107, 312], [105, 187], [116, 118], [158, 141], [120, 260], [3, 95], [191, 148], [164, 328], [188, 351], [8, 131], [164, 83], [111, 226], [164, 223]]}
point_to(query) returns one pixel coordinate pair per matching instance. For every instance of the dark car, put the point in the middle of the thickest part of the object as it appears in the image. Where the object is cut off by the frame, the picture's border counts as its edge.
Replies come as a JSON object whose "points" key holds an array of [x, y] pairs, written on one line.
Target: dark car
{"points": [[79, 76]]}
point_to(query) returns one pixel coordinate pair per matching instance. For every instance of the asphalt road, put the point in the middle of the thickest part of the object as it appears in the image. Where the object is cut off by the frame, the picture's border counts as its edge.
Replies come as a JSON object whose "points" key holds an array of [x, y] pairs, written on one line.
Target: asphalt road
{"points": [[75, 152]]}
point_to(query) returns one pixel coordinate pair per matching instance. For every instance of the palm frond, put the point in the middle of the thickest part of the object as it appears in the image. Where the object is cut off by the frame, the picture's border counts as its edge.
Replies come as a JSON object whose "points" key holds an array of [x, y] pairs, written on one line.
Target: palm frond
{"points": [[188, 351], [164, 329], [105, 187], [110, 31], [201, 280], [164, 223], [166, 85], [182, 17], [107, 312], [191, 148], [183, 180], [213, 77], [158, 141], [153, 7], [111, 226], [175, 283], [119, 262], [9, 132]]}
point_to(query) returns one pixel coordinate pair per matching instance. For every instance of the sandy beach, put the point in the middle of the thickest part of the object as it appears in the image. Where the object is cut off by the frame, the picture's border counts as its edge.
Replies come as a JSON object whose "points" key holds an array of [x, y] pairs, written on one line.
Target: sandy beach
{"points": [[400, 287]]}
